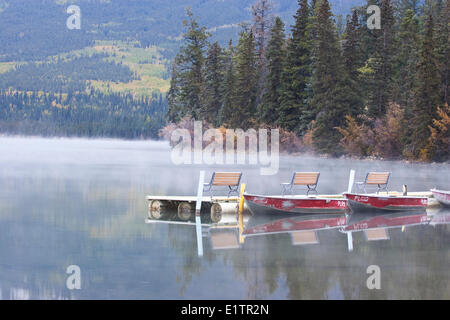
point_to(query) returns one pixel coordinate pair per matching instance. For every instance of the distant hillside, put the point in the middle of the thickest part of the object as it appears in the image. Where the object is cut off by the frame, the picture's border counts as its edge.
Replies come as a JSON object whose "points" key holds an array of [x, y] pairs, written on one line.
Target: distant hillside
{"points": [[64, 82], [31, 30]]}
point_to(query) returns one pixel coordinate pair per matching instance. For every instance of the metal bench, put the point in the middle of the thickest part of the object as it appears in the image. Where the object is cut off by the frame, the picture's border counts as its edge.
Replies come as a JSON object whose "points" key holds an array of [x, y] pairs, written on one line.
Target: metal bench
{"points": [[224, 179], [380, 179], [308, 179]]}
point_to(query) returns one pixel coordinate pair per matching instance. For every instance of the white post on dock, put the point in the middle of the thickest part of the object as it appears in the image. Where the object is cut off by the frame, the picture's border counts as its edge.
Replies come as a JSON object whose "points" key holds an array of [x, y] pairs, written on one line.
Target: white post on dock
{"points": [[351, 180], [198, 207]]}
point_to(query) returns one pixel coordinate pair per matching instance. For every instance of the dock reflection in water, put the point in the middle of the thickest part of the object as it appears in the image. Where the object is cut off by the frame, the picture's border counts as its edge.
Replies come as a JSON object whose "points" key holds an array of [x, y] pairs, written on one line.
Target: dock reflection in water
{"points": [[312, 251]]}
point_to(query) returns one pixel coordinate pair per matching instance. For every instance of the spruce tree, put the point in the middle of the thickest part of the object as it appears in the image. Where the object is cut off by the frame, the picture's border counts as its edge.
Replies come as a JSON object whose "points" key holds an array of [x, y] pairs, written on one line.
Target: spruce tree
{"points": [[351, 46], [427, 93], [212, 82], [406, 59], [352, 60], [192, 60], [331, 87], [244, 102], [442, 35], [293, 113], [228, 86], [262, 20], [275, 57], [382, 56], [176, 109]]}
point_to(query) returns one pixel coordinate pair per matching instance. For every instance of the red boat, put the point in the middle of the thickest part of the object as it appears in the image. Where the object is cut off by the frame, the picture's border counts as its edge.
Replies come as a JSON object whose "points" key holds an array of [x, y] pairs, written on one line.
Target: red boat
{"points": [[280, 205], [364, 202], [442, 196]]}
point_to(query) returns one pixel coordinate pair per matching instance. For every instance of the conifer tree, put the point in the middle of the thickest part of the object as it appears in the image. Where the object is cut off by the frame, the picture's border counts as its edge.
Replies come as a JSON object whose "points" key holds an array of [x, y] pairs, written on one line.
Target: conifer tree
{"points": [[262, 21], [275, 57], [406, 59], [351, 46], [192, 59], [382, 56], [212, 82], [228, 86], [293, 113], [352, 60], [176, 109], [442, 35], [244, 104], [331, 87], [427, 93]]}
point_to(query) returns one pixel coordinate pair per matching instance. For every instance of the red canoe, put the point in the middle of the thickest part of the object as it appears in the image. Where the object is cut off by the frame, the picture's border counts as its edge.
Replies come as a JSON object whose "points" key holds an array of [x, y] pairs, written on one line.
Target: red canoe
{"points": [[442, 196], [276, 204], [364, 202]]}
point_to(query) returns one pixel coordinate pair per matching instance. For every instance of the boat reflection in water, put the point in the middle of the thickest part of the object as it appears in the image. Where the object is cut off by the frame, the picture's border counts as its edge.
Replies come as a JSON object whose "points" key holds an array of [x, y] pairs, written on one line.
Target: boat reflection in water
{"points": [[302, 228], [376, 226], [232, 230]]}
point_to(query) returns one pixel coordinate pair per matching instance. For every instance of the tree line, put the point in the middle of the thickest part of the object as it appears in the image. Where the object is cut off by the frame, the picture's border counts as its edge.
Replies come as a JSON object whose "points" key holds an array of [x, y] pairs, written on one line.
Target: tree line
{"points": [[364, 92], [65, 74], [85, 114]]}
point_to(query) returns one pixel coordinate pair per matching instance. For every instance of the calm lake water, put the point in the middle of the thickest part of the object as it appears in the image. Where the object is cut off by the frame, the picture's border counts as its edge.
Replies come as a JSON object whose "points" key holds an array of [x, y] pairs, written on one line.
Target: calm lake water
{"points": [[82, 202]]}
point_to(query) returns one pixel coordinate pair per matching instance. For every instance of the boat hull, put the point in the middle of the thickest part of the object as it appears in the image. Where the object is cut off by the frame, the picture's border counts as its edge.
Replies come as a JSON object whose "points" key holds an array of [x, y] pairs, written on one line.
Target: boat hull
{"points": [[374, 203], [289, 205], [443, 197]]}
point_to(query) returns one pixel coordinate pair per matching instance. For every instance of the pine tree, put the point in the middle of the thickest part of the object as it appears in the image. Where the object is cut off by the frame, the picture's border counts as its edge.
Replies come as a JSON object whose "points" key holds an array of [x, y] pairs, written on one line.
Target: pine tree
{"points": [[427, 93], [192, 59], [244, 104], [275, 57], [406, 59], [262, 20], [331, 88], [176, 109], [293, 113], [351, 46], [228, 86], [352, 59], [261, 26], [382, 56], [442, 35], [403, 6], [213, 77]]}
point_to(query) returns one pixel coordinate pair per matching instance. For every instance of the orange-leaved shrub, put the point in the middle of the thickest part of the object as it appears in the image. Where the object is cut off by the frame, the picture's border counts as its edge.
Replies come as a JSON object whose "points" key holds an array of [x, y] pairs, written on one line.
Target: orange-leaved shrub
{"points": [[438, 147]]}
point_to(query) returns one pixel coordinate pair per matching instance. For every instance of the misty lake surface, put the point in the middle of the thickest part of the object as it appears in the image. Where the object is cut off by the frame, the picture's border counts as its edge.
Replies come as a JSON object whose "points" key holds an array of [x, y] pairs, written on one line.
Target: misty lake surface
{"points": [[82, 202]]}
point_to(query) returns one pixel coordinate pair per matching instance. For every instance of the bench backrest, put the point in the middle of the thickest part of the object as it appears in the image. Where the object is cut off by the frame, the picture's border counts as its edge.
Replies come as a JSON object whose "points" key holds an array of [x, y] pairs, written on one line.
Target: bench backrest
{"points": [[305, 178], [226, 178], [377, 177]]}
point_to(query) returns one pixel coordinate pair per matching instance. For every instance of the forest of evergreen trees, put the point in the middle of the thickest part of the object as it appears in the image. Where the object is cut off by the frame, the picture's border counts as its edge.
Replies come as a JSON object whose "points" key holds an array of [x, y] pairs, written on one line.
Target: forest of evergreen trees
{"points": [[55, 99], [65, 75], [359, 91], [92, 114]]}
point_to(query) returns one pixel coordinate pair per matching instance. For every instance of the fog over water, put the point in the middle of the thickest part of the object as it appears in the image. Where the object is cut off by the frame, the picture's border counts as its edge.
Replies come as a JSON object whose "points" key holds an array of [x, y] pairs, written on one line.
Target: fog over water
{"points": [[82, 202]]}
